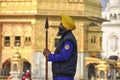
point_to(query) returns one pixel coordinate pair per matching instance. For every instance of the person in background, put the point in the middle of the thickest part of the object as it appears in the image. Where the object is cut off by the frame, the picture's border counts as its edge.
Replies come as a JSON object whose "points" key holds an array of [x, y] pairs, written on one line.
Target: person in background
{"points": [[64, 59], [27, 75], [23, 76]]}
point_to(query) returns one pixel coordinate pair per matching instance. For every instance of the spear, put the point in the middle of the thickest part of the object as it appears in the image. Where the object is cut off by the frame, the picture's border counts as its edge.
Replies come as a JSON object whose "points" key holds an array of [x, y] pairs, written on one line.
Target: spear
{"points": [[46, 27]]}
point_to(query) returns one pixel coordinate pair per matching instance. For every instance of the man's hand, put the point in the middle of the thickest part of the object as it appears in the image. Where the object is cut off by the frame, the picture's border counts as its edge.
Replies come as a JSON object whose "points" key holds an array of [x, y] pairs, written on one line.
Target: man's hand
{"points": [[46, 52]]}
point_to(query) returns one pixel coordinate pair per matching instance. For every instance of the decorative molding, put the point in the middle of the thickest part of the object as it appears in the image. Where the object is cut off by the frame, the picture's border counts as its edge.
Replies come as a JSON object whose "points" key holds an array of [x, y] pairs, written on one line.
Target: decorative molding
{"points": [[75, 1], [54, 24], [14, 0]]}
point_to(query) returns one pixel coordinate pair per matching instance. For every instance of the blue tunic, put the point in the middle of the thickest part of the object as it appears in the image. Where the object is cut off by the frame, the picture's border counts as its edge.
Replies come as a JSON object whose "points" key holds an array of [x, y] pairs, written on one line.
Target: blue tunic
{"points": [[63, 56], [62, 78]]}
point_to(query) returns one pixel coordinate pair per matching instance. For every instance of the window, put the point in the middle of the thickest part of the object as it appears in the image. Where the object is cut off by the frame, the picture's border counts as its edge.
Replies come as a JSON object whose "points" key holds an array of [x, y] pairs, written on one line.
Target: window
{"points": [[15, 67], [100, 41], [115, 17], [111, 16], [119, 16], [6, 41], [17, 41], [113, 42], [27, 41], [93, 39]]}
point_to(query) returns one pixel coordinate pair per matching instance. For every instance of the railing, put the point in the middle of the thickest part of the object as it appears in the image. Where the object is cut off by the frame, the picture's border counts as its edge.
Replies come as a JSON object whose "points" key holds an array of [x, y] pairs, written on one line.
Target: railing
{"points": [[3, 77]]}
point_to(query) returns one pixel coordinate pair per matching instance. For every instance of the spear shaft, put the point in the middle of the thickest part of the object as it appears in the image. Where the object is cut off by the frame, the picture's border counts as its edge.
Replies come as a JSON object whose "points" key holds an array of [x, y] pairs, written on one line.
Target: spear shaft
{"points": [[46, 57], [46, 27]]}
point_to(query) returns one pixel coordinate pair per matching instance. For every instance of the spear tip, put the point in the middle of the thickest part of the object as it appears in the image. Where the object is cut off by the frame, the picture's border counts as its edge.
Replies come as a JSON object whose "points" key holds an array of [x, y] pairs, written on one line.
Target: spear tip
{"points": [[46, 23]]}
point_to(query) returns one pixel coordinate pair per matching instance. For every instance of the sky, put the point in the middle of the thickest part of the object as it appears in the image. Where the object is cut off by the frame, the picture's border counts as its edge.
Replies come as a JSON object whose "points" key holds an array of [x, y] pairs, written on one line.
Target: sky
{"points": [[104, 4]]}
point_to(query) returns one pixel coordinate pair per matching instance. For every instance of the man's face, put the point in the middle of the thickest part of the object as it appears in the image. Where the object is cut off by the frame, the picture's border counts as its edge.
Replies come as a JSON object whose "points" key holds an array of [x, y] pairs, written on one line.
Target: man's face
{"points": [[61, 31]]}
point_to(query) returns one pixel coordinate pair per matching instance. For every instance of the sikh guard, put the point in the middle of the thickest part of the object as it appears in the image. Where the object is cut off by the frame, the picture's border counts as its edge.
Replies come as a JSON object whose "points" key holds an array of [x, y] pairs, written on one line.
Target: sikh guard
{"points": [[64, 59]]}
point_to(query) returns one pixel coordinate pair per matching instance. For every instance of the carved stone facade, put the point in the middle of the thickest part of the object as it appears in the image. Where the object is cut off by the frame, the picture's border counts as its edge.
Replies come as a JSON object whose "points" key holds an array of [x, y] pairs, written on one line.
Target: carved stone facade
{"points": [[111, 37], [17, 35], [111, 29], [23, 22]]}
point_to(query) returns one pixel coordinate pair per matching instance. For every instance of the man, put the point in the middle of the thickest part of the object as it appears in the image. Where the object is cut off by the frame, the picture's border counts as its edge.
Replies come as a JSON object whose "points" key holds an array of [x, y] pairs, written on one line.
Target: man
{"points": [[64, 59]]}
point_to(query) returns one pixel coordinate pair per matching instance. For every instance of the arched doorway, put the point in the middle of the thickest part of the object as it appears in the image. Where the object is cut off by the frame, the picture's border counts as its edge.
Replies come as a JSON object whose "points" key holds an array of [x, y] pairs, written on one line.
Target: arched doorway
{"points": [[111, 72], [6, 68], [26, 66], [91, 71], [102, 74]]}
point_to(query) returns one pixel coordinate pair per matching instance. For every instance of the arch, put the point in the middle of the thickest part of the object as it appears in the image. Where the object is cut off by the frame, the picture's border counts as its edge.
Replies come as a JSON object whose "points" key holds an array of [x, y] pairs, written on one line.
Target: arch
{"points": [[111, 71], [113, 34], [26, 65], [119, 16], [7, 27], [92, 24], [91, 60], [102, 74], [6, 33], [110, 16], [17, 33], [6, 68], [27, 27], [115, 16], [15, 67], [113, 42], [91, 71]]}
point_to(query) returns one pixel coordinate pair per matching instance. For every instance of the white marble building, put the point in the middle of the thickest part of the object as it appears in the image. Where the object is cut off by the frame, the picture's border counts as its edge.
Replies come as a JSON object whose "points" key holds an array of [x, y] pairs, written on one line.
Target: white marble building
{"points": [[111, 29]]}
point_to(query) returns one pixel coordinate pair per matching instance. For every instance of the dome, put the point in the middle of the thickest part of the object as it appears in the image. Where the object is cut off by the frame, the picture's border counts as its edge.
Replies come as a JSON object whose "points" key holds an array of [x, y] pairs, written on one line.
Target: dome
{"points": [[114, 3], [17, 55]]}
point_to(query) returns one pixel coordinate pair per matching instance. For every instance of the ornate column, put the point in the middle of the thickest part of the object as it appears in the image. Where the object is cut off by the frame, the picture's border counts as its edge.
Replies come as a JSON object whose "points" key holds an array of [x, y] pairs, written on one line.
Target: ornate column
{"points": [[105, 77], [102, 66], [98, 75], [16, 67], [0, 47], [114, 77]]}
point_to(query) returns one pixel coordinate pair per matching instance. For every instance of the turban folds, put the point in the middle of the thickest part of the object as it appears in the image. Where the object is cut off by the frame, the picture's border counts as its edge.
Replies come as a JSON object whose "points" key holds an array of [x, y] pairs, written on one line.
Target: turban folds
{"points": [[68, 22]]}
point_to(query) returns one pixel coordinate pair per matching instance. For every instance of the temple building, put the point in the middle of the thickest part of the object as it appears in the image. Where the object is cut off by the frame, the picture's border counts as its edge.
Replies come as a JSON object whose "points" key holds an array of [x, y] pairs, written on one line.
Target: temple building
{"points": [[22, 29], [111, 29], [111, 36]]}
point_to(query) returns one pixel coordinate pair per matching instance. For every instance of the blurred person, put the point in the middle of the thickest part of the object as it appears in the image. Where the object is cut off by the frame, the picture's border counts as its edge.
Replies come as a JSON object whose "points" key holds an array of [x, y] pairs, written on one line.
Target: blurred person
{"points": [[27, 75]]}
